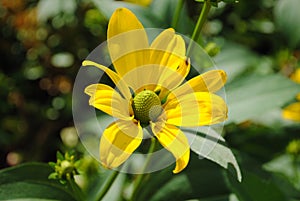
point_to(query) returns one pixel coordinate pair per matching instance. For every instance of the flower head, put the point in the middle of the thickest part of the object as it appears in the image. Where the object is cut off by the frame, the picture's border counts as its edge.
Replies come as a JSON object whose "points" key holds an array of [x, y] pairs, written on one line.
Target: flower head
{"points": [[150, 91]]}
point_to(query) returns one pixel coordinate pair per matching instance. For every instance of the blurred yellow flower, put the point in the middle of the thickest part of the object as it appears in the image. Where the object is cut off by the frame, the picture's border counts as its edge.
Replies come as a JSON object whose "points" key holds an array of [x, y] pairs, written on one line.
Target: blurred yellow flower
{"points": [[292, 111], [140, 2], [150, 92], [296, 76]]}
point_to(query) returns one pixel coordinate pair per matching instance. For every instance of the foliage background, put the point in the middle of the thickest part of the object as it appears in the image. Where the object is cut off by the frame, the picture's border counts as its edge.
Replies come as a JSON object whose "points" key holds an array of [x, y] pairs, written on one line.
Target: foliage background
{"points": [[42, 46]]}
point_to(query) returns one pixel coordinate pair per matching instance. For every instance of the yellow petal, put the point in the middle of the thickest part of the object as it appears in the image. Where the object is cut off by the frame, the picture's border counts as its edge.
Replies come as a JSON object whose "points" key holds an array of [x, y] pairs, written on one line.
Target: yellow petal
{"points": [[140, 2], [126, 37], [106, 99], [210, 81], [195, 109], [173, 139], [292, 112], [296, 76], [120, 83], [119, 140], [167, 49], [171, 79]]}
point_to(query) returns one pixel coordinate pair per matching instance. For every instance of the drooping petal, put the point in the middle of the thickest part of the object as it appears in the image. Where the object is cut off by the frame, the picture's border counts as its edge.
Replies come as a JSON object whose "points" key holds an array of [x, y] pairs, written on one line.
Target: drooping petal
{"points": [[210, 81], [195, 109], [173, 139], [106, 99], [120, 83], [126, 38], [292, 112], [119, 140]]}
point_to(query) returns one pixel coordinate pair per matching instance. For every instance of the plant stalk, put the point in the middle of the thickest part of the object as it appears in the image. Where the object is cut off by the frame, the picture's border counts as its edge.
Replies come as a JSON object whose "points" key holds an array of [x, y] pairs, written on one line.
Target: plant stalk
{"points": [[201, 20], [107, 185], [141, 176], [177, 14]]}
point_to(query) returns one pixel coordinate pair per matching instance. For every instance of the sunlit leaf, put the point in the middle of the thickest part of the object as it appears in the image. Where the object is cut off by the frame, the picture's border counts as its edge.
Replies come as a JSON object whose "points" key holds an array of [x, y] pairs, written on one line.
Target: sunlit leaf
{"points": [[212, 147], [252, 96], [235, 59]]}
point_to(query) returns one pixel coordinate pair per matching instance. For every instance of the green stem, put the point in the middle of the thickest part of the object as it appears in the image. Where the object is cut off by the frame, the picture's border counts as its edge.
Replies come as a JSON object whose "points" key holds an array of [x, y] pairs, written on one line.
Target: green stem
{"points": [[201, 20], [141, 176], [177, 13], [107, 185], [76, 190], [295, 167]]}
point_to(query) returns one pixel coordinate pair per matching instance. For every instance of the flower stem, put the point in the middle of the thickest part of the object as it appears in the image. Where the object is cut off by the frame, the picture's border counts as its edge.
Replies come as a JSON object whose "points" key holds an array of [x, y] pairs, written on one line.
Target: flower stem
{"points": [[107, 185], [202, 18], [177, 14], [141, 176], [76, 190]]}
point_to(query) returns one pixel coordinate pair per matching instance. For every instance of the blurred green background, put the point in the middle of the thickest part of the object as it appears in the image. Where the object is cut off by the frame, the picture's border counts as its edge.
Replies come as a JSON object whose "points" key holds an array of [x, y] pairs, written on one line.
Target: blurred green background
{"points": [[257, 43]]}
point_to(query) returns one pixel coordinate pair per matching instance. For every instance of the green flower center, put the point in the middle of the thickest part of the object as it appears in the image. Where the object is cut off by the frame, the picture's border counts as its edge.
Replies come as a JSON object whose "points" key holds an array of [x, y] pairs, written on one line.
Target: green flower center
{"points": [[146, 106]]}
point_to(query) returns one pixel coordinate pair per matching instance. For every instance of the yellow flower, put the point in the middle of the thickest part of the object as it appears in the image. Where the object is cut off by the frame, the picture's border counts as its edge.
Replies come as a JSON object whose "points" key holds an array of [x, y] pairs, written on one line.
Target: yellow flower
{"points": [[140, 2], [296, 76], [150, 92], [292, 111]]}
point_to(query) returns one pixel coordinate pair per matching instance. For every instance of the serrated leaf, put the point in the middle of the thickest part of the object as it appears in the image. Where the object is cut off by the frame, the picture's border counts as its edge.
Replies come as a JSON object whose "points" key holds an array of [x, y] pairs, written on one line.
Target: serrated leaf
{"points": [[255, 95], [212, 147]]}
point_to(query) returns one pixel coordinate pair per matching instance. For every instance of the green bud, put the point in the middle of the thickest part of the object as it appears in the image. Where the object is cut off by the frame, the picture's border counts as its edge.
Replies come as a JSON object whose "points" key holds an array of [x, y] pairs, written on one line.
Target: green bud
{"points": [[65, 167], [212, 49], [293, 147]]}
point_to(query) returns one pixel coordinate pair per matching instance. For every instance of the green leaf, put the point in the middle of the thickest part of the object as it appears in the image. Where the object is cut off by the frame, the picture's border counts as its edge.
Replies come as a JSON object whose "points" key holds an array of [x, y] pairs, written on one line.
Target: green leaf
{"points": [[286, 13], [179, 185], [254, 187], [235, 59], [31, 181], [212, 147], [201, 179], [115, 191], [59, 156], [286, 166], [252, 96]]}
